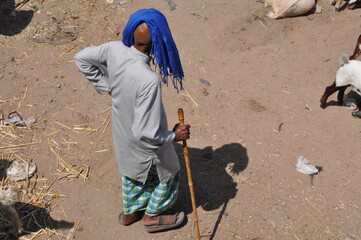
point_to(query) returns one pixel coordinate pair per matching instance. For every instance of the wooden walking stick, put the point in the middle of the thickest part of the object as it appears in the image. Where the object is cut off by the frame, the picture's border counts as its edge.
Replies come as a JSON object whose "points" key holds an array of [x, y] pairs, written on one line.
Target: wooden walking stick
{"points": [[189, 174]]}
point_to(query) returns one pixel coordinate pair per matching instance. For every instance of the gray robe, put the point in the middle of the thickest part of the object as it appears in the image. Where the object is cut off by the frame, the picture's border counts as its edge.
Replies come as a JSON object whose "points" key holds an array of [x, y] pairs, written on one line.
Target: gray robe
{"points": [[140, 132]]}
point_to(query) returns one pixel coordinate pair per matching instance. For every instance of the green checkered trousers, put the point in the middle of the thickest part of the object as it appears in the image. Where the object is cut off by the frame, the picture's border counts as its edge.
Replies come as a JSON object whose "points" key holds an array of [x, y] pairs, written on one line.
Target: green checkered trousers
{"points": [[153, 197]]}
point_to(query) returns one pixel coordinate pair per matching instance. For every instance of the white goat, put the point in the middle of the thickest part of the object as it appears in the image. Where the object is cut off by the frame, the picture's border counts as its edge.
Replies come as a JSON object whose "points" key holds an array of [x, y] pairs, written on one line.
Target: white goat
{"points": [[288, 8], [349, 74]]}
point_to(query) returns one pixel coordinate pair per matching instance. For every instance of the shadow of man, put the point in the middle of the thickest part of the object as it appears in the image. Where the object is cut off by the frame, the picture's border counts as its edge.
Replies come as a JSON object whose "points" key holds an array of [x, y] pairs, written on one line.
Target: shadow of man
{"points": [[211, 171], [13, 20]]}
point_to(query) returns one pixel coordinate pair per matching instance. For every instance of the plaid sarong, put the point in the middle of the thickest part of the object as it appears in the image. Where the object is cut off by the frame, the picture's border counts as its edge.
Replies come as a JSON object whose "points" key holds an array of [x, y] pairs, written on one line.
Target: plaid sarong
{"points": [[153, 197]]}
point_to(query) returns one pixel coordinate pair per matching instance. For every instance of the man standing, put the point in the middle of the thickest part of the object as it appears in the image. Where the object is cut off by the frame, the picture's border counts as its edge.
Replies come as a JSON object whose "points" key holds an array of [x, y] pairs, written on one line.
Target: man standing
{"points": [[143, 144]]}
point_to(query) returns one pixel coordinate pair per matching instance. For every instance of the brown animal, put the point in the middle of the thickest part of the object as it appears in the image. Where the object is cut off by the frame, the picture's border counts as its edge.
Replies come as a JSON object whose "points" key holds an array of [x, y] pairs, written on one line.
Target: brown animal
{"points": [[341, 89], [351, 4], [10, 224]]}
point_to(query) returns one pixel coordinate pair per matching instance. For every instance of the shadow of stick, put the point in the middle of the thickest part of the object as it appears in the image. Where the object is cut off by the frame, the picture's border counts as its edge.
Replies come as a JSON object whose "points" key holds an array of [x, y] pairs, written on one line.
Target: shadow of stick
{"points": [[219, 219]]}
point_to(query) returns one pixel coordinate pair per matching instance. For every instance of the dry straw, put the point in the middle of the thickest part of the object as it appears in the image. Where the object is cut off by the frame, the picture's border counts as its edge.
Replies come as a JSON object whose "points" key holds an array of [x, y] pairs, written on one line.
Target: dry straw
{"points": [[38, 193]]}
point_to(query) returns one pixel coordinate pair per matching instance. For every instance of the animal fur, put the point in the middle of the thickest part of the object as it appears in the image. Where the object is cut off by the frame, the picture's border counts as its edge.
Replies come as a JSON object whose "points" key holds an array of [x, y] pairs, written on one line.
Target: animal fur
{"points": [[349, 74], [10, 224], [288, 8], [351, 4]]}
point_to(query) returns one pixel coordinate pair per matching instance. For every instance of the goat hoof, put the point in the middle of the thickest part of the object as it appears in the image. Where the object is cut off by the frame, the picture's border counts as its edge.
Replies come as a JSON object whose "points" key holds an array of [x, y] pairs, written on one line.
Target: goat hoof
{"points": [[356, 114], [323, 105]]}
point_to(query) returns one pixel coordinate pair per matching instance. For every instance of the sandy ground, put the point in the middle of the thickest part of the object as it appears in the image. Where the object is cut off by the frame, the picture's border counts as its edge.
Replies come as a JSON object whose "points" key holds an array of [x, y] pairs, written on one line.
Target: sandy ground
{"points": [[255, 111]]}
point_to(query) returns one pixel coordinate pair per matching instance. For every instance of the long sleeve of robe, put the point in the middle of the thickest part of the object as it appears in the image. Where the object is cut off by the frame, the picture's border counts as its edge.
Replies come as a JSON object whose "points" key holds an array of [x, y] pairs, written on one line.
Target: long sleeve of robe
{"points": [[139, 125]]}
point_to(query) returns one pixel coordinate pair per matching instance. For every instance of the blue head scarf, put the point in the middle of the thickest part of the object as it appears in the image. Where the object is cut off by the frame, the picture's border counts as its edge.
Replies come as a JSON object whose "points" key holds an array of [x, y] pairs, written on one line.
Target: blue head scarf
{"points": [[163, 47]]}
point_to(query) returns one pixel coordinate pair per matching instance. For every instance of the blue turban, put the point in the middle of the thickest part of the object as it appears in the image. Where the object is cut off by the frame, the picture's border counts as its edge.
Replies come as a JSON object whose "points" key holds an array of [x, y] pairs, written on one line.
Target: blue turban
{"points": [[163, 47]]}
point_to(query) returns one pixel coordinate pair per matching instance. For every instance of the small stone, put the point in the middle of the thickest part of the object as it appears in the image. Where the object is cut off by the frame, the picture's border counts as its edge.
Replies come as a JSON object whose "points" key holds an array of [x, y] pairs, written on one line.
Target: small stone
{"points": [[205, 92], [205, 82]]}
